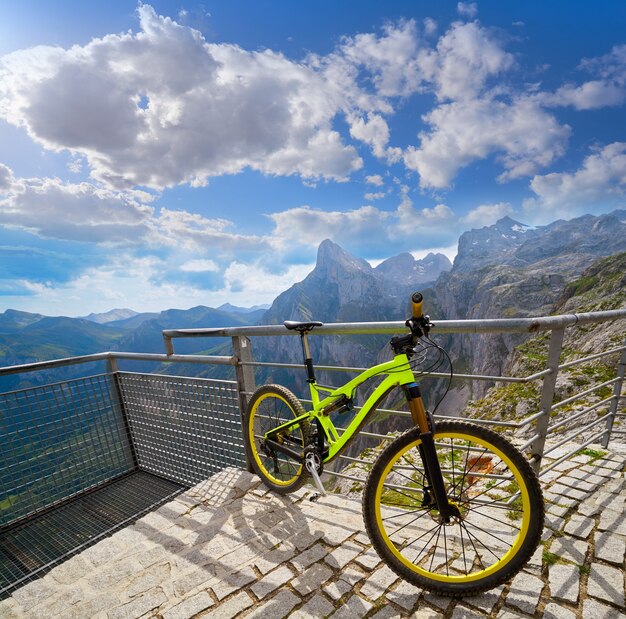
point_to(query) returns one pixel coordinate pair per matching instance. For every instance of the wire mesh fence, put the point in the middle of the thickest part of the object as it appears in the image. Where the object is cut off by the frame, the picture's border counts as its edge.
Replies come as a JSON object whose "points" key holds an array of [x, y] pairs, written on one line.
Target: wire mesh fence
{"points": [[82, 458], [183, 429], [58, 441]]}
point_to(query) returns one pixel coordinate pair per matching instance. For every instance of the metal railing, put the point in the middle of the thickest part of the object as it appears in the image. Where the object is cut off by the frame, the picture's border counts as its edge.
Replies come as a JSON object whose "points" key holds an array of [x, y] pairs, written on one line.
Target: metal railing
{"points": [[62, 440], [81, 458], [545, 421]]}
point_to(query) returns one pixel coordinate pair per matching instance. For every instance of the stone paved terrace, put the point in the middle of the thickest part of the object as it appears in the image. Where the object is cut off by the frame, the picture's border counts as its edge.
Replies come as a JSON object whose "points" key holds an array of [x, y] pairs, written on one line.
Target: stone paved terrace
{"points": [[228, 548]]}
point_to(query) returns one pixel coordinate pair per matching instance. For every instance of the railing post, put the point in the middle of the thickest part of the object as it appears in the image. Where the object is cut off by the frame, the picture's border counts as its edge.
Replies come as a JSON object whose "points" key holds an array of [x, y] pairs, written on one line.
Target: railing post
{"points": [[242, 349], [113, 371], [617, 392], [547, 397]]}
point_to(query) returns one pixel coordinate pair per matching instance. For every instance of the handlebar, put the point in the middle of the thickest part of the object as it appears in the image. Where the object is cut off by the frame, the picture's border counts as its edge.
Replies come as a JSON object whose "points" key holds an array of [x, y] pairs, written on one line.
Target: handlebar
{"points": [[419, 323], [416, 305]]}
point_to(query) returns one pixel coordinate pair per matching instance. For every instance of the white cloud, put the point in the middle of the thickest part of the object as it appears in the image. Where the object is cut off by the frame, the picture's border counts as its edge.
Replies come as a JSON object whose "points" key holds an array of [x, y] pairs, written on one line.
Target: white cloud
{"points": [[7, 178], [131, 281], [312, 226], [599, 183], [193, 232], [374, 179], [589, 96], [251, 284], [373, 131], [84, 212], [199, 266], [368, 230], [467, 55], [438, 214], [80, 212], [487, 214], [523, 135], [122, 282], [394, 59], [379, 195], [467, 9], [608, 88], [163, 107]]}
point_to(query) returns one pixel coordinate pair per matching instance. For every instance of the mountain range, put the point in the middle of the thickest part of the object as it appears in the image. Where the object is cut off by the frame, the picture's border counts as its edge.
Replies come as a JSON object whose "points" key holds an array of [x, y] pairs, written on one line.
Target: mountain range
{"points": [[504, 270]]}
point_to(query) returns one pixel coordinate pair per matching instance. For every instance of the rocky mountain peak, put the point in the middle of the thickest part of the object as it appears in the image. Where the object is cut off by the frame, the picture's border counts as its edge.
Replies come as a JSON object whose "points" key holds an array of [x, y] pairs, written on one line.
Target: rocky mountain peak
{"points": [[406, 269], [491, 244], [331, 258]]}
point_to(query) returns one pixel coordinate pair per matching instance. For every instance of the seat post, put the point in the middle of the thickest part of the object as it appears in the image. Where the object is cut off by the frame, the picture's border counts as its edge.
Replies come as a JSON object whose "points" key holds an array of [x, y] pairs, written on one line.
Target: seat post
{"points": [[308, 361]]}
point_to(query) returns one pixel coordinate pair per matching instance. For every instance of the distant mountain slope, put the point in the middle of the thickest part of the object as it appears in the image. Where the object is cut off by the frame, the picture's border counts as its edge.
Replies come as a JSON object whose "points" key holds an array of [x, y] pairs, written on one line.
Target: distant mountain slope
{"points": [[14, 319], [51, 338], [344, 288], [147, 337], [27, 338], [112, 315], [234, 309]]}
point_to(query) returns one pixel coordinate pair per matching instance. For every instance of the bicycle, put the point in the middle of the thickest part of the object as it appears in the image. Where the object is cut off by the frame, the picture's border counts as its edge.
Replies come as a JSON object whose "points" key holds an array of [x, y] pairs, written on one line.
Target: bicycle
{"points": [[450, 506]]}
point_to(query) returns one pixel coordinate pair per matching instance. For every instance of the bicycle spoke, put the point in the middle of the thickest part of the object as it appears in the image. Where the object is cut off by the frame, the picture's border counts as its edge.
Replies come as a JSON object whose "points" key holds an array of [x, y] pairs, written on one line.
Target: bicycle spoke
{"points": [[469, 536], [492, 518], [425, 545], [491, 535], [463, 548], [404, 513], [445, 546], [430, 568], [398, 472], [408, 496], [406, 525]]}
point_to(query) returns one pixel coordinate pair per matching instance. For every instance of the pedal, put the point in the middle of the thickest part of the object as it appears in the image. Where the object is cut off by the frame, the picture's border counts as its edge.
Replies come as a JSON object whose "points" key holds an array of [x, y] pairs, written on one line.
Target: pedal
{"points": [[311, 466]]}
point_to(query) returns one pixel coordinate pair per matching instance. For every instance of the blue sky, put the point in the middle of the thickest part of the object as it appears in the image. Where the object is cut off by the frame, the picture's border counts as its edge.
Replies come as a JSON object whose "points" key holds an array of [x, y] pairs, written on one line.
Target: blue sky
{"points": [[174, 154]]}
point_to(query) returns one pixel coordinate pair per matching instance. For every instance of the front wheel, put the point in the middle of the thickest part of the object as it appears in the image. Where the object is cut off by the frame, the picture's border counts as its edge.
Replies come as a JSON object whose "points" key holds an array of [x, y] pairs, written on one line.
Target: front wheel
{"points": [[499, 510], [272, 406]]}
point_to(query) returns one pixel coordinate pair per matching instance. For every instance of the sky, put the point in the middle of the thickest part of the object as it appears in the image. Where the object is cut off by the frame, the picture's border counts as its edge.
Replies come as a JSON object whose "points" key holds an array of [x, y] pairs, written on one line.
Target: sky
{"points": [[174, 154]]}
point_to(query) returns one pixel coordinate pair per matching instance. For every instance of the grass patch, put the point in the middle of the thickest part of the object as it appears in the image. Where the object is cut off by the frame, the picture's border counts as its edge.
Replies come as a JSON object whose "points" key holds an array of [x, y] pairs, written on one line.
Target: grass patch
{"points": [[549, 558], [592, 453]]}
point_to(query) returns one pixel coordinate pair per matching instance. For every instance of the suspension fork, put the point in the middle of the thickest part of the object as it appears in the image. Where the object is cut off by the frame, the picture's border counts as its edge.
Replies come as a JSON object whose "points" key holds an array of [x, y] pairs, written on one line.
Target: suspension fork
{"points": [[428, 451]]}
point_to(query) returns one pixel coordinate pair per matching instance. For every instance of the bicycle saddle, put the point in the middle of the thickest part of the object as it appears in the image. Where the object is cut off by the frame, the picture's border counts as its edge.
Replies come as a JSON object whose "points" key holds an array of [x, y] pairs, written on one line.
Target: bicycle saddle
{"points": [[294, 325]]}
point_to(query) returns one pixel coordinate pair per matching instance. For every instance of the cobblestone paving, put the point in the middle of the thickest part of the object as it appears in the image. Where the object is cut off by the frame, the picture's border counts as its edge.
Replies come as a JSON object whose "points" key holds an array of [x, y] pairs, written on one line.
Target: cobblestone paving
{"points": [[228, 548]]}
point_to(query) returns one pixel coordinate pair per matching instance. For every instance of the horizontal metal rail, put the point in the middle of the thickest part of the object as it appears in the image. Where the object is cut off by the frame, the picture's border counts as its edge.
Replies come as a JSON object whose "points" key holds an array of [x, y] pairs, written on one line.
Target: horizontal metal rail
{"points": [[599, 355], [496, 325], [106, 356], [582, 394], [555, 426], [578, 447], [336, 368]]}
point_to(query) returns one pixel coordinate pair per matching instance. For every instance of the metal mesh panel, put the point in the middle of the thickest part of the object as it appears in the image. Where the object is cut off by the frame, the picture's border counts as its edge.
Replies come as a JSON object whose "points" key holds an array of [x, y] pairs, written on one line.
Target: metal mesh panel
{"points": [[183, 429], [27, 550], [57, 441]]}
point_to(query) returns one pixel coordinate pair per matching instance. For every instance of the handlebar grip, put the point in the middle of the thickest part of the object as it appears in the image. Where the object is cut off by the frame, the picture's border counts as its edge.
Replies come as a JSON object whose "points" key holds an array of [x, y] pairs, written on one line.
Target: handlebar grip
{"points": [[416, 305]]}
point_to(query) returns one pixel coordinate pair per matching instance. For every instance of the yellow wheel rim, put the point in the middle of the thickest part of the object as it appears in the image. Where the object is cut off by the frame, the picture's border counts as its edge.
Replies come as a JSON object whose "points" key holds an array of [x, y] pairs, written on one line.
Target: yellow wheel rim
{"points": [[447, 577], [254, 438]]}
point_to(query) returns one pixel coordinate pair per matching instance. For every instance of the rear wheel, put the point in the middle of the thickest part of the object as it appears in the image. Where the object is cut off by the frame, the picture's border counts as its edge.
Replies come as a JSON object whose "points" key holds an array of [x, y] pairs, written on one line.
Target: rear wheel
{"points": [[270, 407], [499, 510]]}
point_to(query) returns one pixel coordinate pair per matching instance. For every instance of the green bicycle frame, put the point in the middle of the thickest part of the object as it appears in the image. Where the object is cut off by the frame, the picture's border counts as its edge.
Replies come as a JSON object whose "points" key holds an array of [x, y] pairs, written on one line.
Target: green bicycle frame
{"points": [[398, 373]]}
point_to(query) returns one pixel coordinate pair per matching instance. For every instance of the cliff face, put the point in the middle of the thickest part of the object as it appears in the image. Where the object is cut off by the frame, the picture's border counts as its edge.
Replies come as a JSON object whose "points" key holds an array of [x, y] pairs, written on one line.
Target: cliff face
{"points": [[600, 287], [501, 271], [510, 270], [342, 288]]}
